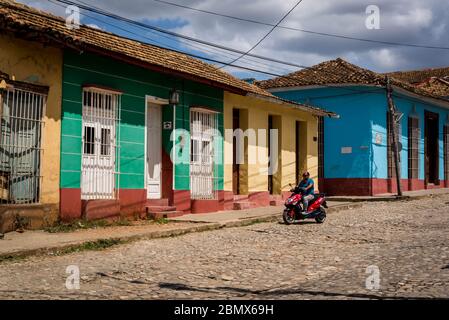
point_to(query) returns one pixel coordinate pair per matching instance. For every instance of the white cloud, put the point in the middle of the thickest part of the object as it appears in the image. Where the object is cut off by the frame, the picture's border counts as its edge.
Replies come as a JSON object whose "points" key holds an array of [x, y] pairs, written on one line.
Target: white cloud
{"points": [[385, 58], [92, 25], [404, 21]]}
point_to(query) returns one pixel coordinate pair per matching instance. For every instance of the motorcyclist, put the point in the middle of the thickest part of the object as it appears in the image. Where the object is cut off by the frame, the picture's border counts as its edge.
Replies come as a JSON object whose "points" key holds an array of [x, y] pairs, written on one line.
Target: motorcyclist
{"points": [[308, 187]]}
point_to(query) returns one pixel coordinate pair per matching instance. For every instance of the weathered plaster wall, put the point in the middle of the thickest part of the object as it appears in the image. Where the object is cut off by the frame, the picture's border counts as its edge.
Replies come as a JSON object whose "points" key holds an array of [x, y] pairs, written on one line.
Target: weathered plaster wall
{"points": [[258, 112], [34, 63]]}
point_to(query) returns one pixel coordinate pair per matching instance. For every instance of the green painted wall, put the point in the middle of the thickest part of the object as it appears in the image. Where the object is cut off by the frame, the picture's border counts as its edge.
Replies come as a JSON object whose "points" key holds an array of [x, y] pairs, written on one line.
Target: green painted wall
{"points": [[135, 83]]}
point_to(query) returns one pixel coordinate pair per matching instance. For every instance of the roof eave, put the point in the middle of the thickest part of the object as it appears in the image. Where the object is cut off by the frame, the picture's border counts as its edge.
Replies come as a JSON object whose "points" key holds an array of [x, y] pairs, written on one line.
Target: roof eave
{"points": [[39, 36], [320, 86], [432, 100], [302, 107]]}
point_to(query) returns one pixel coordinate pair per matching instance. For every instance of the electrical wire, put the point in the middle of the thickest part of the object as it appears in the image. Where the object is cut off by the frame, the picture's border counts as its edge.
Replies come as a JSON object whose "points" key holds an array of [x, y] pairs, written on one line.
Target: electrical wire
{"points": [[114, 16], [212, 51], [325, 34], [265, 36]]}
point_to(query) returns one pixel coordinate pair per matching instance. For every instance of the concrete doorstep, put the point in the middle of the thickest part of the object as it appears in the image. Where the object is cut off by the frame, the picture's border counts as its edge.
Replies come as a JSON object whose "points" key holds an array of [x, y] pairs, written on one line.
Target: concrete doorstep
{"points": [[21, 245]]}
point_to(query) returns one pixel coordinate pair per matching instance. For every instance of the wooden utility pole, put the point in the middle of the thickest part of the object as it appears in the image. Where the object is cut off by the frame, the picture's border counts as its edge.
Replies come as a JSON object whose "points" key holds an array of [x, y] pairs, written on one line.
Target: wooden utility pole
{"points": [[394, 120]]}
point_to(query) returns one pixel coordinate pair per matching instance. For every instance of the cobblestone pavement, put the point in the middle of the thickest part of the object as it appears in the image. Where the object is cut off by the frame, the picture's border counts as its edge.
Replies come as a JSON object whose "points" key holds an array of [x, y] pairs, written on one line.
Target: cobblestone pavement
{"points": [[407, 241]]}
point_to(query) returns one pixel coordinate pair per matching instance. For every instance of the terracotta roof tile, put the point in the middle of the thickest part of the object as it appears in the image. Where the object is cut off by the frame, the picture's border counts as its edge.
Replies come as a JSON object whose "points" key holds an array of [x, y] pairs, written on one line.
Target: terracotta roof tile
{"points": [[37, 25], [416, 76], [338, 72], [436, 86], [19, 18]]}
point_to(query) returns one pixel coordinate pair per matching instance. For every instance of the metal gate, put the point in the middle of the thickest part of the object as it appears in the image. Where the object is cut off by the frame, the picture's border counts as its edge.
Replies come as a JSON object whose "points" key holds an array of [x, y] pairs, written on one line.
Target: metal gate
{"points": [[203, 128], [20, 145], [101, 110]]}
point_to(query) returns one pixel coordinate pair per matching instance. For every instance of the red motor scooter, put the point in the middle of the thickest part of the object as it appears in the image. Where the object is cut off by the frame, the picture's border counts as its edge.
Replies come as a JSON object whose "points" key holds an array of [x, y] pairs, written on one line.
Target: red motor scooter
{"points": [[294, 212]]}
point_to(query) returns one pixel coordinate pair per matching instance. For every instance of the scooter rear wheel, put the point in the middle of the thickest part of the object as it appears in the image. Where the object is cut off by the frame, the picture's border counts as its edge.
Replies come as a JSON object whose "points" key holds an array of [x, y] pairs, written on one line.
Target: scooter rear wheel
{"points": [[289, 216], [322, 217]]}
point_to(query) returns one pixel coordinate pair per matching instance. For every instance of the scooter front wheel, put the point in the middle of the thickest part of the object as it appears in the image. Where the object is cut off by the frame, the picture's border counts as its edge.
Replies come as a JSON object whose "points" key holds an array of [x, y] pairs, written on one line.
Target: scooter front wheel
{"points": [[289, 216]]}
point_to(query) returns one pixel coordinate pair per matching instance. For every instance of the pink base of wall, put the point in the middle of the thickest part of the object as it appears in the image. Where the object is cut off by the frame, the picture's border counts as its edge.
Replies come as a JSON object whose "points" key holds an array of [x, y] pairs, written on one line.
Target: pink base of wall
{"points": [[130, 202], [183, 202], [133, 202], [372, 187]]}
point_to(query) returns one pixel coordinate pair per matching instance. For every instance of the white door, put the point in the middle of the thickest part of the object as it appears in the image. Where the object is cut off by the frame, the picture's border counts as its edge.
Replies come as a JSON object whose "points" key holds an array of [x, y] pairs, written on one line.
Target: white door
{"points": [[99, 145], [154, 151]]}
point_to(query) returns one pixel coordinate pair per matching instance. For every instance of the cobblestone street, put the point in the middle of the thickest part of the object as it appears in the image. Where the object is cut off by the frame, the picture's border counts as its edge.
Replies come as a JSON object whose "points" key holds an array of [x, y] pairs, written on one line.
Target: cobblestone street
{"points": [[407, 241]]}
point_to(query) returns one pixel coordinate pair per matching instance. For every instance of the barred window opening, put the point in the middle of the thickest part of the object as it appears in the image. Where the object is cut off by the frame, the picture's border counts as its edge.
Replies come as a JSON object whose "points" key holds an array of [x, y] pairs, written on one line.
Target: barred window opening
{"points": [[203, 182], [414, 134], [390, 153], [20, 145], [446, 152], [100, 174]]}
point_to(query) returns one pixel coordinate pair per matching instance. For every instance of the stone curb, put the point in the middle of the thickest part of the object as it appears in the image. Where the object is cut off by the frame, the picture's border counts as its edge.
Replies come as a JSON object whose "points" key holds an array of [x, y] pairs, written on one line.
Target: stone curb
{"points": [[199, 227], [386, 199]]}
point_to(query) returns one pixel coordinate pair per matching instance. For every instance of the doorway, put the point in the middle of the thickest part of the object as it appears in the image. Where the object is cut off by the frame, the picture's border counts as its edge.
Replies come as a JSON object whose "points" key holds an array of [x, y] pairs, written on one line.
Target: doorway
{"points": [[297, 152], [270, 155], [235, 164], [431, 148], [154, 151], [274, 154]]}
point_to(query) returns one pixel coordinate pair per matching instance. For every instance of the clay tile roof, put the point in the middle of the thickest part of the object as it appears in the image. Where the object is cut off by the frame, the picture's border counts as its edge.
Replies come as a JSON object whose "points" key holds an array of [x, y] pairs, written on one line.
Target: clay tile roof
{"points": [[436, 86], [329, 72], [37, 25], [30, 22], [416, 76], [339, 72]]}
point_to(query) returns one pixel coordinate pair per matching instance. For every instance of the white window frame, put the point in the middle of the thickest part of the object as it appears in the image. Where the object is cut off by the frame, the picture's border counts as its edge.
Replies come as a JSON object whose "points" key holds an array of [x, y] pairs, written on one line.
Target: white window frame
{"points": [[100, 172], [203, 167]]}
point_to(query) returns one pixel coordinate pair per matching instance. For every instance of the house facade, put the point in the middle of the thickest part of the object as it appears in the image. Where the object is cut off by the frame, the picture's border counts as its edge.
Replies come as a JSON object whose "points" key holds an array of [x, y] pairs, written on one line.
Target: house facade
{"points": [[118, 134], [358, 158], [30, 113], [130, 129], [273, 143]]}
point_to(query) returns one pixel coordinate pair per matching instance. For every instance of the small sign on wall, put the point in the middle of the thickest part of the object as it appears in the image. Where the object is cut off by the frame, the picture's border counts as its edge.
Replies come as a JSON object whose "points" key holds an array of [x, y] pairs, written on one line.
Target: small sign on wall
{"points": [[379, 138], [346, 150], [168, 125]]}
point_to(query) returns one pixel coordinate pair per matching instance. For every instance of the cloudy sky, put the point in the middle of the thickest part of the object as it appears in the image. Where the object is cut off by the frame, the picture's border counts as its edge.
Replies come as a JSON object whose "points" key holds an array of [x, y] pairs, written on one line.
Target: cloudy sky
{"points": [[403, 21]]}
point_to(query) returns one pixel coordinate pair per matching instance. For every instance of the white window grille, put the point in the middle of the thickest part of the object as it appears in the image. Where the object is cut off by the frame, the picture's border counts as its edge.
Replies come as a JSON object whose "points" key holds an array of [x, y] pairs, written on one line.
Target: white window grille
{"points": [[20, 145], [203, 128], [100, 174]]}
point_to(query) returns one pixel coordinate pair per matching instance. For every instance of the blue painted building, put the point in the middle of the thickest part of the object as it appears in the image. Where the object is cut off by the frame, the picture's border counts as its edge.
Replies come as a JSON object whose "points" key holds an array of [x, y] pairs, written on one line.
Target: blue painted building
{"points": [[356, 150]]}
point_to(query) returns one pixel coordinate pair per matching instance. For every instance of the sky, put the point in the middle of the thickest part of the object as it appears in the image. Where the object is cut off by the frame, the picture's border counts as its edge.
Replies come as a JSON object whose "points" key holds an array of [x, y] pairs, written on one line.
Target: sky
{"points": [[401, 21]]}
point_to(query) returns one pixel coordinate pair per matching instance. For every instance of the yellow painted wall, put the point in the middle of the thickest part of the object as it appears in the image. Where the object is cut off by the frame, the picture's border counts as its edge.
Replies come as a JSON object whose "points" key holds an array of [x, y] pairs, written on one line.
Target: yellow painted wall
{"points": [[32, 62], [258, 111]]}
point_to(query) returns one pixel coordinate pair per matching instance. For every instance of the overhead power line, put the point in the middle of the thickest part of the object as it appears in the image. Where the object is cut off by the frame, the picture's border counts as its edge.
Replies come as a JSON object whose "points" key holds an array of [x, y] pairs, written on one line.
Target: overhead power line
{"points": [[140, 24], [265, 36], [202, 48], [148, 26], [353, 91], [324, 34]]}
